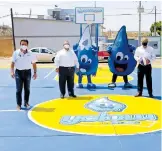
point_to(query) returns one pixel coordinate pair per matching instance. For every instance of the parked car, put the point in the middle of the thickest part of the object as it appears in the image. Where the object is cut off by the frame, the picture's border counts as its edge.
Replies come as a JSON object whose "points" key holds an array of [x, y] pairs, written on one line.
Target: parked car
{"points": [[103, 54], [44, 54]]}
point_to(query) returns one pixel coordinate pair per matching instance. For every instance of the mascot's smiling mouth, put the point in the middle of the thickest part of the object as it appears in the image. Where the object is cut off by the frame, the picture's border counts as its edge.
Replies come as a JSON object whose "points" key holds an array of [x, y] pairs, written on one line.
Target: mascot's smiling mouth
{"points": [[83, 70], [120, 67]]}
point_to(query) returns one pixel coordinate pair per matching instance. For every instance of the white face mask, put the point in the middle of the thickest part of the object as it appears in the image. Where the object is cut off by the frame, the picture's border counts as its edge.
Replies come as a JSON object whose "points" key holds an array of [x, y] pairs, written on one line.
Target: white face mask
{"points": [[66, 46], [23, 47]]}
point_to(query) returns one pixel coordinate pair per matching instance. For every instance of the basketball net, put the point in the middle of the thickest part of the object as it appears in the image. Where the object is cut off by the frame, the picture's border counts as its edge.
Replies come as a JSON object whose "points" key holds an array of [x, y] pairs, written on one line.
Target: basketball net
{"points": [[89, 22]]}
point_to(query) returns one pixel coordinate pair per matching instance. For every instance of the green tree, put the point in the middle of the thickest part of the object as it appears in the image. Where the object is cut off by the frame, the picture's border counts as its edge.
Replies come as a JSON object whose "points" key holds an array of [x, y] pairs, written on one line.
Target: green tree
{"points": [[158, 27]]}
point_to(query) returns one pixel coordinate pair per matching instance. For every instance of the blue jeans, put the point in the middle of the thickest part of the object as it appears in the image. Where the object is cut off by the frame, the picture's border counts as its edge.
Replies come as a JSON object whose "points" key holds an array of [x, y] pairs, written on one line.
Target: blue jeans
{"points": [[23, 78]]}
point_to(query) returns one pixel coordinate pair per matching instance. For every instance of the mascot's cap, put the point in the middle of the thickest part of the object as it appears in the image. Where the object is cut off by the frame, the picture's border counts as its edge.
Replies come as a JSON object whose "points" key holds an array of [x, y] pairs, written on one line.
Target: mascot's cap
{"points": [[121, 41], [145, 40]]}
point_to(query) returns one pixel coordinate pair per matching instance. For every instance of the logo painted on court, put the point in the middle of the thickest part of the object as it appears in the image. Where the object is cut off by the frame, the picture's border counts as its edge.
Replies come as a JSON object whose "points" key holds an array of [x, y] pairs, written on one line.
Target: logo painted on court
{"points": [[104, 105], [100, 115]]}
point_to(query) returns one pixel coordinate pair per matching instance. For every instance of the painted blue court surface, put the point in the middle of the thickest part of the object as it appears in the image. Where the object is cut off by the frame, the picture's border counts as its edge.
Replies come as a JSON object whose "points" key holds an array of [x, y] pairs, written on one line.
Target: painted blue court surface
{"points": [[18, 132]]}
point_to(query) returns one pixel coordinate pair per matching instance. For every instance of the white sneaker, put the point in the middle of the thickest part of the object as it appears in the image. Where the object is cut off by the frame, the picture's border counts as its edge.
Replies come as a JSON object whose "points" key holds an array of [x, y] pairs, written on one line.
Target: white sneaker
{"points": [[112, 85]]}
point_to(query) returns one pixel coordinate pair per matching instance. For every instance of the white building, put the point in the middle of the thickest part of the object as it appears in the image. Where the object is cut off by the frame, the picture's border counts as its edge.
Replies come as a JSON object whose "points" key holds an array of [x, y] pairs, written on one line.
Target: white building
{"points": [[51, 31]]}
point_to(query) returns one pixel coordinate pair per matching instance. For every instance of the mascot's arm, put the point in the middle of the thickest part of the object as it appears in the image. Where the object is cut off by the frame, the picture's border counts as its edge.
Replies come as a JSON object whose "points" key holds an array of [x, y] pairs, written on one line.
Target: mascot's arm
{"points": [[75, 48], [94, 48], [109, 49], [132, 48]]}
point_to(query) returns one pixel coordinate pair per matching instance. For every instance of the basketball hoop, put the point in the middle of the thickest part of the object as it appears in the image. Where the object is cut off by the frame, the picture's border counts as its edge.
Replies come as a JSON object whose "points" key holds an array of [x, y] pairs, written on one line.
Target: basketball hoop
{"points": [[89, 15]]}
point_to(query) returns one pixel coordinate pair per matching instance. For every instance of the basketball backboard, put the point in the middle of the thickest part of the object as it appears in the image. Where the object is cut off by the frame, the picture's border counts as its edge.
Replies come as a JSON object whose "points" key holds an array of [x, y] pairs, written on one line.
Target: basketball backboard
{"points": [[86, 15]]}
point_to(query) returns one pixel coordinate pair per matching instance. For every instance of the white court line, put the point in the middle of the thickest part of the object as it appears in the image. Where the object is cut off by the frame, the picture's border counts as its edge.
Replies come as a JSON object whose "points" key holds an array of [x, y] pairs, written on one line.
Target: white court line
{"points": [[11, 111], [49, 73]]}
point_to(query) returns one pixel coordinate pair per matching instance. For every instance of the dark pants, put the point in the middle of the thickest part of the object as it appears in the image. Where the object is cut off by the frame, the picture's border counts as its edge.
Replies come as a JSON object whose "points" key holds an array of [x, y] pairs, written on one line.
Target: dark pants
{"points": [[66, 74], [115, 77], [145, 71], [88, 78], [23, 78]]}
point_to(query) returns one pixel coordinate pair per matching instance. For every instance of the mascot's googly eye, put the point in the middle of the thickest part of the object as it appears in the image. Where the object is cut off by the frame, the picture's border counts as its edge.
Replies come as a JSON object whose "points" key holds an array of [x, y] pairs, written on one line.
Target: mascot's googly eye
{"points": [[89, 61], [119, 56], [126, 57], [84, 58]]}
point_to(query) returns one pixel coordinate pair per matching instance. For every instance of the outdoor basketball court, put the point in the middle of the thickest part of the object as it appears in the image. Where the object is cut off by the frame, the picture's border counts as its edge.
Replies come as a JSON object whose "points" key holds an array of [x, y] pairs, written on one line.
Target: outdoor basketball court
{"points": [[79, 124], [100, 119]]}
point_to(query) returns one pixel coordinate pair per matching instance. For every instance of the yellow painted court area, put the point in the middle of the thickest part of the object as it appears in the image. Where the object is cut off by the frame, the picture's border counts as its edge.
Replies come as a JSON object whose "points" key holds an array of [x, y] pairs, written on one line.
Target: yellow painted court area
{"points": [[44, 116], [103, 76]]}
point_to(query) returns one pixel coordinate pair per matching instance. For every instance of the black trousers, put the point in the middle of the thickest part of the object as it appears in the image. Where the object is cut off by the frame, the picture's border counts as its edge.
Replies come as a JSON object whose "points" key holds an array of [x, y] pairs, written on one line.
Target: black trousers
{"points": [[145, 71], [115, 77], [23, 78], [66, 74]]}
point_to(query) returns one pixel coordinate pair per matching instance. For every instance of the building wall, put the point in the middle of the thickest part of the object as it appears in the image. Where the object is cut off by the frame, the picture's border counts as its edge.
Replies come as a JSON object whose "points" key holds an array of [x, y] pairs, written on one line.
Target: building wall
{"points": [[154, 42], [132, 42], [46, 33], [55, 43], [42, 27]]}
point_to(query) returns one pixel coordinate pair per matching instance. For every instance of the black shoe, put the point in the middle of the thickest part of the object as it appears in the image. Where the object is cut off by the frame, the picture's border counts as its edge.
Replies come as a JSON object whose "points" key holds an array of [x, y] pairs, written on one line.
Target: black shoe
{"points": [[62, 96], [74, 96], [138, 94], [127, 85], [151, 96], [27, 106]]}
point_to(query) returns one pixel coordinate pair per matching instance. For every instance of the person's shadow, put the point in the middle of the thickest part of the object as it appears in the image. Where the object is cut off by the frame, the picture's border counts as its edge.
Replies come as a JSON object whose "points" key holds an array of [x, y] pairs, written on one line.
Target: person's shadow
{"points": [[155, 97], [101, 87]]}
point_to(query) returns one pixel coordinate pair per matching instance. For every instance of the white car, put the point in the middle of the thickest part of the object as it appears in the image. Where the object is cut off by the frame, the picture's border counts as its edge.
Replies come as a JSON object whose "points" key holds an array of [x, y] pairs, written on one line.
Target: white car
{"points": [[44, 54]]}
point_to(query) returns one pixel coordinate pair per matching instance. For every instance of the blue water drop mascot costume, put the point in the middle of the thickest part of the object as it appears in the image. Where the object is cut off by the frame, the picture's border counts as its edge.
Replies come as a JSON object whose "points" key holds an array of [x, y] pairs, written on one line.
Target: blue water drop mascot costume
{"points": [[121, 58], [88, 58]]}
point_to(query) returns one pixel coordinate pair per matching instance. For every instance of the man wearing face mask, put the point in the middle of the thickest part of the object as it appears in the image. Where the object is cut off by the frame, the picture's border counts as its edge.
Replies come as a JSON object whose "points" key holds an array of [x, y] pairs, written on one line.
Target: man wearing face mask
{"points": [[65, 62], [144, 56], [22, 60]]}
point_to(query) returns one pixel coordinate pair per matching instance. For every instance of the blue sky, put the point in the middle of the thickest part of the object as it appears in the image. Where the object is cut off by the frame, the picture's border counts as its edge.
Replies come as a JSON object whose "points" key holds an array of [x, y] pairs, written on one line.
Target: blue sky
{"points": [[110, 7]]}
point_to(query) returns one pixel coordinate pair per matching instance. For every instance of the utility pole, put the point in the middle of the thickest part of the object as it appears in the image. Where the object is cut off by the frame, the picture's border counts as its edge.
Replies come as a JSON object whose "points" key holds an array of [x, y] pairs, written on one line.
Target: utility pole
{"points": [[96, 28], [155, 23], [139, 30], [13, 34], [95, 3], [30, 12], [140, 10]]}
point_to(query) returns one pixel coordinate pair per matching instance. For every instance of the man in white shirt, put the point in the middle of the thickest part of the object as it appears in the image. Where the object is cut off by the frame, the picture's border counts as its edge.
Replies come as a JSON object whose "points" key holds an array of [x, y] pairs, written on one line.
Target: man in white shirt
{"points": [[66, 61], [144, 56], [22, 60]]}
